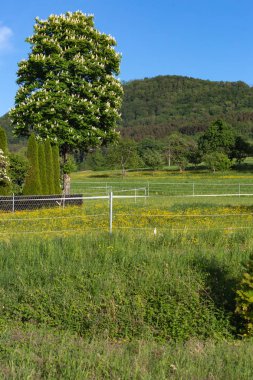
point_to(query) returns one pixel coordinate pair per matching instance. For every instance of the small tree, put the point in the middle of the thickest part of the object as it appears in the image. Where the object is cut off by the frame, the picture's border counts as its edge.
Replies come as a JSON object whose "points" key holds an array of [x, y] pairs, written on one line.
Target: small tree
{"points": [[32, 184], [124, 155], [219, 137], [152, 159], [178, 149], [42, 168], [217, 161]]}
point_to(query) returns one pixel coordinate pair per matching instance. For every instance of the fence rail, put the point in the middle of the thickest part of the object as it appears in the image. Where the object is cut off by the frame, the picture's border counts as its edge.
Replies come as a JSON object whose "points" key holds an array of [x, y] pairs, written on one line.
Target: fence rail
{"points": [[107, 216], [167, 188]]}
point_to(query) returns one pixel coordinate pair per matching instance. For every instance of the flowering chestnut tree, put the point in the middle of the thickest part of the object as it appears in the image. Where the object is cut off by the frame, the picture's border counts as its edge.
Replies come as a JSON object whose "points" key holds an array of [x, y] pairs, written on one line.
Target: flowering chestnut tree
{"points": [[68, 90]]}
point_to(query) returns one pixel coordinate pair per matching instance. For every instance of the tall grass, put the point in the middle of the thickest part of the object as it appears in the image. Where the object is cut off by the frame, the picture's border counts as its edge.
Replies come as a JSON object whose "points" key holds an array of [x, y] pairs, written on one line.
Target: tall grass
{"points": [[167, 288], [29, 352], [130, 306], [78, 303]]}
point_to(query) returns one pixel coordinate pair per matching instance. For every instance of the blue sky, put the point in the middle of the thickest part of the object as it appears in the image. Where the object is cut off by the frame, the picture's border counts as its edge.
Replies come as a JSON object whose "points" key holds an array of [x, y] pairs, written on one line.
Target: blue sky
{"points": [[207, 39]]}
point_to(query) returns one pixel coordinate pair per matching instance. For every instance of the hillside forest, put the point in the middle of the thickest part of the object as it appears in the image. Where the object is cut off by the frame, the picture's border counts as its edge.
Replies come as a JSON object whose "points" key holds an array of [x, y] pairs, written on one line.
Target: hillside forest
{"points": [[171, 121]]}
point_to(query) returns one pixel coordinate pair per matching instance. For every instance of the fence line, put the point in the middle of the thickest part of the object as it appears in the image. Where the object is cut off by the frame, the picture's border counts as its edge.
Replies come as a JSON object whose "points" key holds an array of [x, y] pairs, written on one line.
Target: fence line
{"points": [[174, 188], [111, 215]]}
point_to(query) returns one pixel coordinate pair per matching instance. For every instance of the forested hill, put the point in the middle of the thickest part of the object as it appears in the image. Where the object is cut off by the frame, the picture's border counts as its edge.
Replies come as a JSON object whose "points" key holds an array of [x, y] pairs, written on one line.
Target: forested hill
{"points": [[157, 106]]}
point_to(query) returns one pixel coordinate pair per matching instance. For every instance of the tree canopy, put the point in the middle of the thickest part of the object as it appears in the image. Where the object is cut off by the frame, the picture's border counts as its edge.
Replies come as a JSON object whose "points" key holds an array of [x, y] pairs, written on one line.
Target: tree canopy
{"points": [[218, 137], [68, 90]]}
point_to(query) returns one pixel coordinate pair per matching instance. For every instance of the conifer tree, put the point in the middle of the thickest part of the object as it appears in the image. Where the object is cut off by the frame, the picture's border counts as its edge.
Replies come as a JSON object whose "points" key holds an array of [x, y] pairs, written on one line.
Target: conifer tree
{"points": [[32, 184], [56, 165], [42, 168], [49, 167]]}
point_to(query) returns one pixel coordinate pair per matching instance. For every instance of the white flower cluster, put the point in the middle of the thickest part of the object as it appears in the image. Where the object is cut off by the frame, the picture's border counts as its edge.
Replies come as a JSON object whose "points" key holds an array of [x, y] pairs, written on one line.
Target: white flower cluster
{"points": [[4, 178]]}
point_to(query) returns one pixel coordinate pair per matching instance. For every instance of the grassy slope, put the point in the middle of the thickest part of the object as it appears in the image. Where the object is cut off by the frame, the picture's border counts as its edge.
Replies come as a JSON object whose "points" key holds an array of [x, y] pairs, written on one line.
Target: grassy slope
{"points": [[115, 307], [128, 306]]}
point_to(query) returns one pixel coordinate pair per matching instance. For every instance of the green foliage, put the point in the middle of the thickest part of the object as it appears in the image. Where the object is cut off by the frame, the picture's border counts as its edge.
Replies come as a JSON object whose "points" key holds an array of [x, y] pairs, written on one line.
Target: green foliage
{"points": [[18, 170], [95, 160], [49, 167], [240, 150], [5, 182], [56, 165], [149, 144], [42, 168], [159, 106], [219, 137], [217, 161], [244, 299], [3, 141], [32, 185], [178, 150], [152, 159], [69, 165], [124, 155], [68, 91]]}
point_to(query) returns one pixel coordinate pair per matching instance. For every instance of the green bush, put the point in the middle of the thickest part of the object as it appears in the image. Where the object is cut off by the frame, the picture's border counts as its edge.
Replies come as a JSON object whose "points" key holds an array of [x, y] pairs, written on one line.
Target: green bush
{"points": [[18, 170], [244, 299]]}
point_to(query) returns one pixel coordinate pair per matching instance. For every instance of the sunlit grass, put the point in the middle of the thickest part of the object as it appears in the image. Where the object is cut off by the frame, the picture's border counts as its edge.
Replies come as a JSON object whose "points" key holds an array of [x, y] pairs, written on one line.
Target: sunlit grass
{"points": [[78, 302]]}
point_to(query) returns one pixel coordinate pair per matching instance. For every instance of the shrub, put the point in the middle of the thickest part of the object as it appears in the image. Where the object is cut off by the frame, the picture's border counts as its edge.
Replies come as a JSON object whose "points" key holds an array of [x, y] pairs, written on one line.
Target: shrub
{"points": [[244, 299]]}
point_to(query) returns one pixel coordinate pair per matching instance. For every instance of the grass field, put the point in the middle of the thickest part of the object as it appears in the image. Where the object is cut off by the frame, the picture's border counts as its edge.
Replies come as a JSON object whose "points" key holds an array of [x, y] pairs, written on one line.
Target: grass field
{"points": [[77, 302]]}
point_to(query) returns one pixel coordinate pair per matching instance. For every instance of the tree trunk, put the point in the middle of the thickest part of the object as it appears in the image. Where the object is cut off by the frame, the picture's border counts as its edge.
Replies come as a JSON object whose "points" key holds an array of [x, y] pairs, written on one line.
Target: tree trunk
{"points": [[66, 177], [66, 184]]}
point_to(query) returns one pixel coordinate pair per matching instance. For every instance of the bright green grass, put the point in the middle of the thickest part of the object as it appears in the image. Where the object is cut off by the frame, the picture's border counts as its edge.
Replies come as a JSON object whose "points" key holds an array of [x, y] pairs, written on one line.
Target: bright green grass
{"points": [[134, 305], [123, 307]]}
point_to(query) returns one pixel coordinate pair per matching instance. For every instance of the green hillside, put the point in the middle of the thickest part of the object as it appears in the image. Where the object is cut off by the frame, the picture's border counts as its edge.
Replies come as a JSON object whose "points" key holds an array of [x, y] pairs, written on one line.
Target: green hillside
{"points": [[15, 143], [157, 106]]}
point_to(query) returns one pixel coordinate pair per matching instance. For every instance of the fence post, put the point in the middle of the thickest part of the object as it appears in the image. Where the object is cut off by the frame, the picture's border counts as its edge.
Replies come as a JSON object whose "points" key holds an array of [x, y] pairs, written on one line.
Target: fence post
{"points": [[193, 189], [110, 211], [13, 202]]}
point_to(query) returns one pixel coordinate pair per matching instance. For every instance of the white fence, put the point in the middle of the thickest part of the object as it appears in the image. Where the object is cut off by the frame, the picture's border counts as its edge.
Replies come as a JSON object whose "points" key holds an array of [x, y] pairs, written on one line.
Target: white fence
{"points": [[185, 189]]}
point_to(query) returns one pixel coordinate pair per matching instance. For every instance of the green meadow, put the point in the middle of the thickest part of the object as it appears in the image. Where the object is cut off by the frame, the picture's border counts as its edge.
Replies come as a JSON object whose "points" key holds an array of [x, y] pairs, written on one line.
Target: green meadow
{"points": [[80, 303]]}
